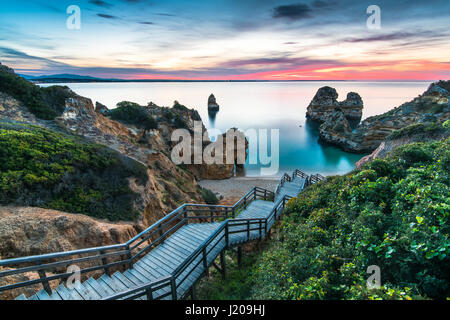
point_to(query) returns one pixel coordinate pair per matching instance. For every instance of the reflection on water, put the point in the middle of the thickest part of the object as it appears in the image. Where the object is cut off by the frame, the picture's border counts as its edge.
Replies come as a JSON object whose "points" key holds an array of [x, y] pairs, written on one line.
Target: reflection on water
{"points": [[212, 117], [266, 105]]}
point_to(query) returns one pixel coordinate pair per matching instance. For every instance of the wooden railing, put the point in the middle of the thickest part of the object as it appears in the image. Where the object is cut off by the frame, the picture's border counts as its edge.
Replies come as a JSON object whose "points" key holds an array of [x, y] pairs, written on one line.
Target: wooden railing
{"points": [[202, 258], [115, 257]]}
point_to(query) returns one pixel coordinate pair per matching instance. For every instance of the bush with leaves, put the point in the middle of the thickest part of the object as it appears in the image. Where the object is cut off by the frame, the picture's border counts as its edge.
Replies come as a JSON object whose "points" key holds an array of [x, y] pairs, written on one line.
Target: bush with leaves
{"points": [[43, 168], [132, 113], [44, 103], [393, 213]]}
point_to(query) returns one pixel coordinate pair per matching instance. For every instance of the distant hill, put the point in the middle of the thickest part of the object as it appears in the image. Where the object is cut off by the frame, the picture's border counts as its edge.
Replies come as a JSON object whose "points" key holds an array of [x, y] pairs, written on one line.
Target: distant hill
{"points": [[65, 77]]}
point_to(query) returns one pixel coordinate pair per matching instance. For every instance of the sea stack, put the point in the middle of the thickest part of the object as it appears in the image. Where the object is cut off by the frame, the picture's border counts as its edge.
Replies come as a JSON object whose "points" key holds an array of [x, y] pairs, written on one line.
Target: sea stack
{"points": [[212, 104], [325, 102]]}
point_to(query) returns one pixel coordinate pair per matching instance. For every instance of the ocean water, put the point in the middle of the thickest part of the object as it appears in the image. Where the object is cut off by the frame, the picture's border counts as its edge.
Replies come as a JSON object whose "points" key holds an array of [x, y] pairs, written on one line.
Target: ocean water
{"points": [[264, 105]]}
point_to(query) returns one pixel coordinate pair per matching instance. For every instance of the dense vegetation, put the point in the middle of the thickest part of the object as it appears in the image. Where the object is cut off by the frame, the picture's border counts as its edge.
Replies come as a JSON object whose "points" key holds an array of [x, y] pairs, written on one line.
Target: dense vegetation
{"points": [[423, 131], [393, 213], [44, 103], [40, 167], [132, 113], [209, 196]]}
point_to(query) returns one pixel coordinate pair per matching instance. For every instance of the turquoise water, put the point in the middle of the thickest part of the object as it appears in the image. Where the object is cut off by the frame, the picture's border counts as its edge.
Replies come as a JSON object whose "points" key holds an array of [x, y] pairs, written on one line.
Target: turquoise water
{"points": [[266, 105]]}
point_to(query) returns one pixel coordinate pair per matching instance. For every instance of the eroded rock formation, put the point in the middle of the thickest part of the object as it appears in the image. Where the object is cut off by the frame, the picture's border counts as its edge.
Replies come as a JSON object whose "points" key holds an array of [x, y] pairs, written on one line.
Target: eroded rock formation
{"points": [[212, 104], [325, 102], [432, 106]]}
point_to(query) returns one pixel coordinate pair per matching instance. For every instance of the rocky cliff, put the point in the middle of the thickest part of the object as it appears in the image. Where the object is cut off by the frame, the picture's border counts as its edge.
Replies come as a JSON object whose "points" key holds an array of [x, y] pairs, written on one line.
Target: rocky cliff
{"points": [[430, 107], [325, 102], [165, 187]]}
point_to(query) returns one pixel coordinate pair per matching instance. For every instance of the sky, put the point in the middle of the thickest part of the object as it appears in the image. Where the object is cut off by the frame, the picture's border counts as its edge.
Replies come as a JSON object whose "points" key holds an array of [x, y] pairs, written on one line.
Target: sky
{"points": [[228, 39]]}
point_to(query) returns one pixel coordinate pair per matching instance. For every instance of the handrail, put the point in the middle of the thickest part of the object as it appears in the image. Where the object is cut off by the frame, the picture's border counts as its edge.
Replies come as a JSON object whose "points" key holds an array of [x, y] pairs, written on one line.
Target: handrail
{"points": [[121, 253], [151, 285], [154, 235], [198, 252]]}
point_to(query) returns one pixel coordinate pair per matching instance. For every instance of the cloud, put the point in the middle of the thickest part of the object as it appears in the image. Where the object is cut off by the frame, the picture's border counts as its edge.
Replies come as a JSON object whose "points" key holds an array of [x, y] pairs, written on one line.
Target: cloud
{"points": [[146, 22], [397, 36], [101, 3], [106, 16], [293, 11]]}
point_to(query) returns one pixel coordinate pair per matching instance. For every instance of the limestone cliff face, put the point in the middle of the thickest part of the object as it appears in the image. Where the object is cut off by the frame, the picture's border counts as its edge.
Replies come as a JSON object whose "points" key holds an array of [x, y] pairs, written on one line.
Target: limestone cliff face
{"points": [[325, 102], [26, 231], [432, 106], [225, 168], [420, 133]]}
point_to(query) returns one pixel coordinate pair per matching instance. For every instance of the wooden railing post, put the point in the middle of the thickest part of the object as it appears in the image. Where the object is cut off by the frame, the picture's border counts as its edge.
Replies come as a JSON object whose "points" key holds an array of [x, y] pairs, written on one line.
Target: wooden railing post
{"points": [[260, 230], [248, 230], [45, 283], [149, 293], [161, 233], [130, 261], [239, 256], [105, 262], [205, 261], [227, 237], [173, 286]]}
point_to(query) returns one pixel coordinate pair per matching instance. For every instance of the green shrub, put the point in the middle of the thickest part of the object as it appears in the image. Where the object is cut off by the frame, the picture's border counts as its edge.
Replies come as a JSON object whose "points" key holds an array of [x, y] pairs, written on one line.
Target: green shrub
{"points": [[393, 213], [209, 196], [423, 130], [132, 113], [39, 167], [44, 103]]}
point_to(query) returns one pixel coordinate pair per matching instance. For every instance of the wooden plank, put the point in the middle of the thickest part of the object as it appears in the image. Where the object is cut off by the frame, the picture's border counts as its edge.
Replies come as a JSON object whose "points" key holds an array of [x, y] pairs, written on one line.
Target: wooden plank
{"points": [[65, 295], [148, 263], [124, 280], [102, 292], [148, 269], [184, 239], [146, 276], [87, 292], [21, 297], [43, 295], [130, 276]]}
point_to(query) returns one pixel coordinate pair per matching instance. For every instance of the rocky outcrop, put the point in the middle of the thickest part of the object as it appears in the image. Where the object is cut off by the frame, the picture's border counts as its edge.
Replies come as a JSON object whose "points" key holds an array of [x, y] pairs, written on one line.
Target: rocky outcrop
{"points": [[102, 109], [26, 231], [325, 102], [430, 107], [415, 133], [212, 104], [224, 168]]}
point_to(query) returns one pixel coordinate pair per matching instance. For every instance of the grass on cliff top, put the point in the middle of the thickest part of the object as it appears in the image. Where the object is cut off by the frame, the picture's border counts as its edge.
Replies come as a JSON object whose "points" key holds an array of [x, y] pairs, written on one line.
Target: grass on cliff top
{"points": [[45, 103], [392, 213], [42, 168]]}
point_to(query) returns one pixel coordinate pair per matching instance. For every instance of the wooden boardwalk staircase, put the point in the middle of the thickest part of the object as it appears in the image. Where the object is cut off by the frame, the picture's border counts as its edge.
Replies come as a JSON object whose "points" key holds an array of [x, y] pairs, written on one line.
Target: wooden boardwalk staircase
{"points": [[164, 261]]}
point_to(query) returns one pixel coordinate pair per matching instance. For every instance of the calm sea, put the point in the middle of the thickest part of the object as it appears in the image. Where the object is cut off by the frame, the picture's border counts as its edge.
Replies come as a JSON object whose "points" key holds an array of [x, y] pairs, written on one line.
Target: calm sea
{"points": [[267, 105]]}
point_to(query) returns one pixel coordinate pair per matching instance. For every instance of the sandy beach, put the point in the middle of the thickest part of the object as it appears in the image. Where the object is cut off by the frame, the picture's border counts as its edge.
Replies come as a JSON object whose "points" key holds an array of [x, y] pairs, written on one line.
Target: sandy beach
{"points": [[234, 188]]}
